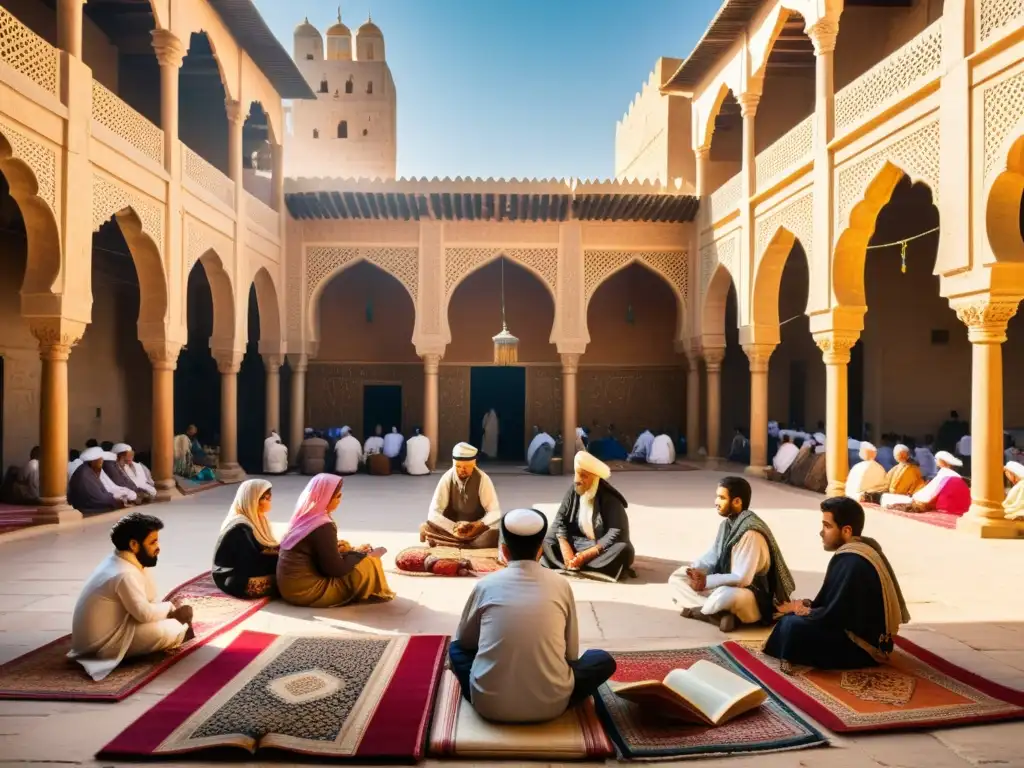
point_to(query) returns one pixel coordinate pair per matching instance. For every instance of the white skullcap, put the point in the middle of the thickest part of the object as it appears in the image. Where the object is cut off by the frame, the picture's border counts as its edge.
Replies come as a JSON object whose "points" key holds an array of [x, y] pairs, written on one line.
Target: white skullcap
{"points": [[590, 463], [120, 448], [91, 454], [523, 522], [866, 446], [463, 452], [900, 448], [108, 456], [1016, 467], [949, 458]]}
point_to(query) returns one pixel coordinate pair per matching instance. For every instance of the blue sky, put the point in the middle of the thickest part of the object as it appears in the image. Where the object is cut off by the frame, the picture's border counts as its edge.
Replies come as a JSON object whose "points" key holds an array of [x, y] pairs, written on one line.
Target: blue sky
{"points": [[526, 88]]}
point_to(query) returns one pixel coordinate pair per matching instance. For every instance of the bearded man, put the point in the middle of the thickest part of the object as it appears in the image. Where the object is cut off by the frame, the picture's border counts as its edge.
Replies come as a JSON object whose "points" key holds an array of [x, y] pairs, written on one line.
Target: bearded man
{"points": [[590, 532], [464, 511]]}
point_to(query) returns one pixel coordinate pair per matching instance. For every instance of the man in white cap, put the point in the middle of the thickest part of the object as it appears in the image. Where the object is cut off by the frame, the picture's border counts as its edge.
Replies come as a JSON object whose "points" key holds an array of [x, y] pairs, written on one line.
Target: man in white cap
{"points": [[516, 651], [867, 475], [590, 531], [348, 453], [116, 482], [947, 491], [464, 511], [86, 491], [122, 472]]}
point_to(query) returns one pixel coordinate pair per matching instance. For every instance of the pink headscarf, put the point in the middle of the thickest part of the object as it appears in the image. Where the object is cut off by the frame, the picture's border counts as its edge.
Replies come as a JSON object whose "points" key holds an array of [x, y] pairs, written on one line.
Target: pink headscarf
{"points": [[311, 509]]}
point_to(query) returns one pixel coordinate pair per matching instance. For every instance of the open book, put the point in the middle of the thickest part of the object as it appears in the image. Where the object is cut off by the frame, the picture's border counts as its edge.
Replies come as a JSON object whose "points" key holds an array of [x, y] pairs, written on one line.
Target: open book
{"points": [[704, 693]]}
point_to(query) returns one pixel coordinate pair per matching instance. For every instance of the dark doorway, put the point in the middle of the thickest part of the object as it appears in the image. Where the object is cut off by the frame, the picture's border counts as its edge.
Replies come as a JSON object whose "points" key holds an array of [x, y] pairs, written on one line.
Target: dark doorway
{"points": [[855, 389], [2, 412], [252, 396], [797, 394], [504, 390], [382, 404]]}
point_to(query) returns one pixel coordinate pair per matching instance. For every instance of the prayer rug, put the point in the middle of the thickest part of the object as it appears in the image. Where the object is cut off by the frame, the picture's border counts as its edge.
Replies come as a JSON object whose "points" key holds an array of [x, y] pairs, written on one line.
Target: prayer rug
{"points": [[630, 466], [15, 517], [458, 731], [640, 734], [916, 689], [410, 561], [938, 519], [47, 673], [338, 698], [188, 487]]}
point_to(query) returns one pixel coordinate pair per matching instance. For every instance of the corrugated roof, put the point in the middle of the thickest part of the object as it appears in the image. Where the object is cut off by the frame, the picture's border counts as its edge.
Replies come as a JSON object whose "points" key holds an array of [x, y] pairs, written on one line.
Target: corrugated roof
{"points": [[252, 33]]}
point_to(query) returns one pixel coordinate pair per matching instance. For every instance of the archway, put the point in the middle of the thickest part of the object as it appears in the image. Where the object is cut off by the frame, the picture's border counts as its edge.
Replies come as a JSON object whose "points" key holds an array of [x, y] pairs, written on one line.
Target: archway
{"points": [[202, 109], [257, 154], [725, 138], [474, 316], [252, 392], [630, 377], [720, 337]]}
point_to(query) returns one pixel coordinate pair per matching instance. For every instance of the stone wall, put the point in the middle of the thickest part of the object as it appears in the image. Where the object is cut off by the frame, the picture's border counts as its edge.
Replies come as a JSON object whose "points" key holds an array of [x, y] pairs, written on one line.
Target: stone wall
{"points": [[334, 393]]}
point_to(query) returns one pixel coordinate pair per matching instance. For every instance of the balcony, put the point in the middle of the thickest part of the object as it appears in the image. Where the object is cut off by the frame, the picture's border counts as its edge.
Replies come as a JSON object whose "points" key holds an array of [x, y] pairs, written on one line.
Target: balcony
{"points": [[261, 214], [793, 150], [128, 125], [28, 54], [725, 199], [207, 178]]}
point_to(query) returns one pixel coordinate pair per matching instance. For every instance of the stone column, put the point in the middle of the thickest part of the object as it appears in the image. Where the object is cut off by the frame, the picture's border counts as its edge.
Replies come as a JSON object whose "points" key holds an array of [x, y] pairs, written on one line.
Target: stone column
{"points": [[748, 111], [69, 26], [758, 355], [164, 358], [570, 409], [56, 339], [236, 121], [713, 358], [272, 365], [169, 53], [299, 364], [228, 364], [986, 320], [277, 178], [835, 348], [693, 401], [703, 159], [431, 405]]}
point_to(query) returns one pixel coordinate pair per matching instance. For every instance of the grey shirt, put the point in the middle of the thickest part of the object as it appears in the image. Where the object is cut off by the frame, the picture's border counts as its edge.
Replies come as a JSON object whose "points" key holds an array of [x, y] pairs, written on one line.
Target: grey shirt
{"points": [[522, 623]]}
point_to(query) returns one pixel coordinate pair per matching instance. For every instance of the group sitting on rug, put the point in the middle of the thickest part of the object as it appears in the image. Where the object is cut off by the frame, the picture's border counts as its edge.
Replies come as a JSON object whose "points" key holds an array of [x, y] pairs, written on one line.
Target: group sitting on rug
{"points": [[245, 555], [608, 447], [275, 455], [21, 484], [117, 615], [743, 575], [947, 492], [464, 511], [91, 490], [859, 608], [867, 476], [590, 532], [516, 651]]}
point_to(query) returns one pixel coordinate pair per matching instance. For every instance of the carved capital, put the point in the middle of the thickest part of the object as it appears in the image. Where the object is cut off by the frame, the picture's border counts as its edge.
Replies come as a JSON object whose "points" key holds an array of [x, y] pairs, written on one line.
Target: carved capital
{"points": [[985, 318], [229, 361], [163, 354], [273, 362], [823, 35], [570, 364], [713, 357], [431, 364], [56, 336], [298, 363], [835, 346], [748, 104], [703, 153], [234, 110], [759, 355], [169, 50]]}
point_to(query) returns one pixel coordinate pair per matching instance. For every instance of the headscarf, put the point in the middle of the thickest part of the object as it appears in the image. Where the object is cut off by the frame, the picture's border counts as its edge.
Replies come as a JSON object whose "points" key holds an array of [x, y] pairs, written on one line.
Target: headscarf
{"points": [[311, 509], [245, 510]]}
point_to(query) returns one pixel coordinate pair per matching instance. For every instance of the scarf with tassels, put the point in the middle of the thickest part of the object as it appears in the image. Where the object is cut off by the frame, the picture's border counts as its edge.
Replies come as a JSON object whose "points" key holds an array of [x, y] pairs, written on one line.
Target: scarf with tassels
{"points": [[894, 605]]}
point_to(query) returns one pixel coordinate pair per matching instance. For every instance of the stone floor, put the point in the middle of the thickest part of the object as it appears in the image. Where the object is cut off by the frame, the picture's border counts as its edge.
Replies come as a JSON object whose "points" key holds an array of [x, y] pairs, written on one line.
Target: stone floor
{"points": [[965, 595]]}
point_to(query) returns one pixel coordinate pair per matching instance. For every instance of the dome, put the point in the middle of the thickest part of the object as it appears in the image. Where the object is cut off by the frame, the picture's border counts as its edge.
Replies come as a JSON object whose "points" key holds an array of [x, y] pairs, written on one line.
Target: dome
{"points": [[305, 29], [369, 29], [338, 29]]}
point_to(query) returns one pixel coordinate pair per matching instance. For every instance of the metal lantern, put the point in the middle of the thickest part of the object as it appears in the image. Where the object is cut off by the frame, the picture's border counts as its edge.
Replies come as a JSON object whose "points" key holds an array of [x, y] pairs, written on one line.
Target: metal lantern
{"points": [[506, 346]]}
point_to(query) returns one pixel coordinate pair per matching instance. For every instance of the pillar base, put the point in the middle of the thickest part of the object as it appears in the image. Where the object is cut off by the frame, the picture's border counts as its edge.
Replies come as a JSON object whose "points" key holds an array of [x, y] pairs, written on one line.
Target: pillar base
{"points": [[167, 491], [836, 488], [58, 512], [230, 473], [756, 471], [991, 527]]}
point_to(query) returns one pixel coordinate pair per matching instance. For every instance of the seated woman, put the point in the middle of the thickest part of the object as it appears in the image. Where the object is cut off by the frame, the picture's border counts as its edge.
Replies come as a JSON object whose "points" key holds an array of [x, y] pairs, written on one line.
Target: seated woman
{"points": [[1013, 506], [314, 569], [245, 556]]}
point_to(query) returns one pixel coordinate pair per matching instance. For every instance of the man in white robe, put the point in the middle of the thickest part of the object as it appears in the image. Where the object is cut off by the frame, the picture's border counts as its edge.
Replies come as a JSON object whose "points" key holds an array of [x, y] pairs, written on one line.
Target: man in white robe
{"points": [[491, 427], [120, 493], [137, 473], [784, 457], [464, 511], [539, 438], [642, 447], [117, 615], [348, 453], [29, 477], [417, 454], [663, 451], [374, 443], [275, 455], [394, 444], [867, 475]]}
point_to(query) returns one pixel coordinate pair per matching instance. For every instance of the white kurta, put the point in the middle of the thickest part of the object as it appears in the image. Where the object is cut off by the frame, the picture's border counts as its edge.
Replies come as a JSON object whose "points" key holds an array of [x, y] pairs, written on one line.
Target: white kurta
{"points": [[539, 439], [439, 503], [348, 453], [417, 453], [662, 451], [117, 617], [726, 591], [373, 445], [393, 444], [865, 477], [140, 475], [784, 457], [490, 441], [30, 477], [275, 455], [115, 490]]}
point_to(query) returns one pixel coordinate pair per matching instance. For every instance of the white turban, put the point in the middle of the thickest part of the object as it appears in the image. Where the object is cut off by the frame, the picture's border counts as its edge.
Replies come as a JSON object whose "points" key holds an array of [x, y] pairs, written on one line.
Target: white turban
{"points": [[819, 438], [121, 448], [866, 447], [590, 463], [523, 522], [900, 449], [464, 452], [108, 456], [949, 458], [91, 454], [1017, 468]]}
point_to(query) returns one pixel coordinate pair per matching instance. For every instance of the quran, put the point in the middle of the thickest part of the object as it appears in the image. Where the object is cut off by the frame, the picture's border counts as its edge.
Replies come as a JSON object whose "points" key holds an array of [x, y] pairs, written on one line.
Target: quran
{"points": [[705, 693]]}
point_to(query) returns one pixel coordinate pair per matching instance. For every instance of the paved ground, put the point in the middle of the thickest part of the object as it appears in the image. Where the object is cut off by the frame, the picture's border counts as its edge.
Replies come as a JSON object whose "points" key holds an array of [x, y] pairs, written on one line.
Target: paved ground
{"points": [[965, 595]]}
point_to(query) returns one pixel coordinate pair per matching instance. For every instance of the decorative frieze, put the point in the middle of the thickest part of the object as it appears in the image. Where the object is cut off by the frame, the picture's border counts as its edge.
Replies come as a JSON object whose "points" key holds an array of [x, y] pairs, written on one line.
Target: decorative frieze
{"points": [[673, 266], [461, 262]]}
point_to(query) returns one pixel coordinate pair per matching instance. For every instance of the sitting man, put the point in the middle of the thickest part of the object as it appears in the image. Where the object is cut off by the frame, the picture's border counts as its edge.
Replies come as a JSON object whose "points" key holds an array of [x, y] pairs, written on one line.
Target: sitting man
{"points": [[464, 511], [516, 651], [373, 454], [116, 482], [859, 608], [739, 449], [117, 616], [947, 491], [26, 487], [86, 490], [608, 448], [743, 575], [867, 476], [642, 447], [74, 461], [905, 478], [591, 529], [1013, 505], [417, 454], [348, 453], [374, 443], [662, 451], [124, 473], [783, 459], [925, 458], [539, 452], [199, 455], [275, 455], [312, 453], [394, 448]]}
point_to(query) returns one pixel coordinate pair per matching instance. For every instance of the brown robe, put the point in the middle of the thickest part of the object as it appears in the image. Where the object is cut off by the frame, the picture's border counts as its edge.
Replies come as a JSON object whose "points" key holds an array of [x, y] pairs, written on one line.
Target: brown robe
{"points": [[817, 477], [904, 479]]}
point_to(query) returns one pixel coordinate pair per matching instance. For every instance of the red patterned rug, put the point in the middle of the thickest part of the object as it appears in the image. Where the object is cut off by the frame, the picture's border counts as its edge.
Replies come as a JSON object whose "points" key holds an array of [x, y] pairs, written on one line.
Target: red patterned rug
{"points": [[444, 561], [47, 673], [14, 517], [640, 734], [338, 698], [938, 519], [916, 689]]}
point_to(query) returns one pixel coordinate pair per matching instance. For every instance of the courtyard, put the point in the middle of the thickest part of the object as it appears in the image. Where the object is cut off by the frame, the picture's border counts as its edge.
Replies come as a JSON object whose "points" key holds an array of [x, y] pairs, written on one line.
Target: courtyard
{"points": [[962, 593]]}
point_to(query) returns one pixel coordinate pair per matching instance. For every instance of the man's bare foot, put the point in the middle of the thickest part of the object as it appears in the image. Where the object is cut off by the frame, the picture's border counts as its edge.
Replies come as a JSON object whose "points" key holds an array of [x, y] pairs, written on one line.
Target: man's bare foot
{"points": [[727, 623]]}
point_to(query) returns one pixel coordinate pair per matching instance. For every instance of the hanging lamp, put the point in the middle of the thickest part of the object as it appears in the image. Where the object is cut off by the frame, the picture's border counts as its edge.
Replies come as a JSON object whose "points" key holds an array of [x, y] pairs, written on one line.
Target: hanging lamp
{"points": [[506, 346]]}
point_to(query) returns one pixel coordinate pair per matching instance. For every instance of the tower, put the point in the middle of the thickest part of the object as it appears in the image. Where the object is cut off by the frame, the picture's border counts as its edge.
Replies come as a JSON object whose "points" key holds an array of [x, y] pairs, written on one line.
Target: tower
{"points": [[350, 130]]}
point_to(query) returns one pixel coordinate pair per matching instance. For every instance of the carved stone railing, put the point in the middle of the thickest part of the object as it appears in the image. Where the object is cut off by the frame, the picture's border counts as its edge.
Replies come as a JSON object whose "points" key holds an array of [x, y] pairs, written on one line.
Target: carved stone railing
{"points": [[110, 111], [995, 15], [900, 74], [725, 199], [206, 176], [26, 52], [262, 214], [786, 154]]}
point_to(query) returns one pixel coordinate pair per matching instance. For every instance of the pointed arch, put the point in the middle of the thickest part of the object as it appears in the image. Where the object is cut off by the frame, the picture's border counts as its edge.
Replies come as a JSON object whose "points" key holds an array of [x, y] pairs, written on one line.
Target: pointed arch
{"points": [[713, 310], [1003, 203], [707, 126], [642, 259], [768, 277], [541, 263], [223, 298], [268, 301], [313, 305], [149, 268]]}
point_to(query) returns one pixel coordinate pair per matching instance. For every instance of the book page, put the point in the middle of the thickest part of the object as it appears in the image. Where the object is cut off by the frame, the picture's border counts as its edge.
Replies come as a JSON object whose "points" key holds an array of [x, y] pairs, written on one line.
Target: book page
{"points": [[702, 696], [729, 688]]}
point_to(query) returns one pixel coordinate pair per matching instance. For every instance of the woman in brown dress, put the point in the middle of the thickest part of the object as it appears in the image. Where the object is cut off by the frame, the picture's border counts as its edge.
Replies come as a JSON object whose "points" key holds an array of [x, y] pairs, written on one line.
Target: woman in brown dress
{"points": [[314, 569]]}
